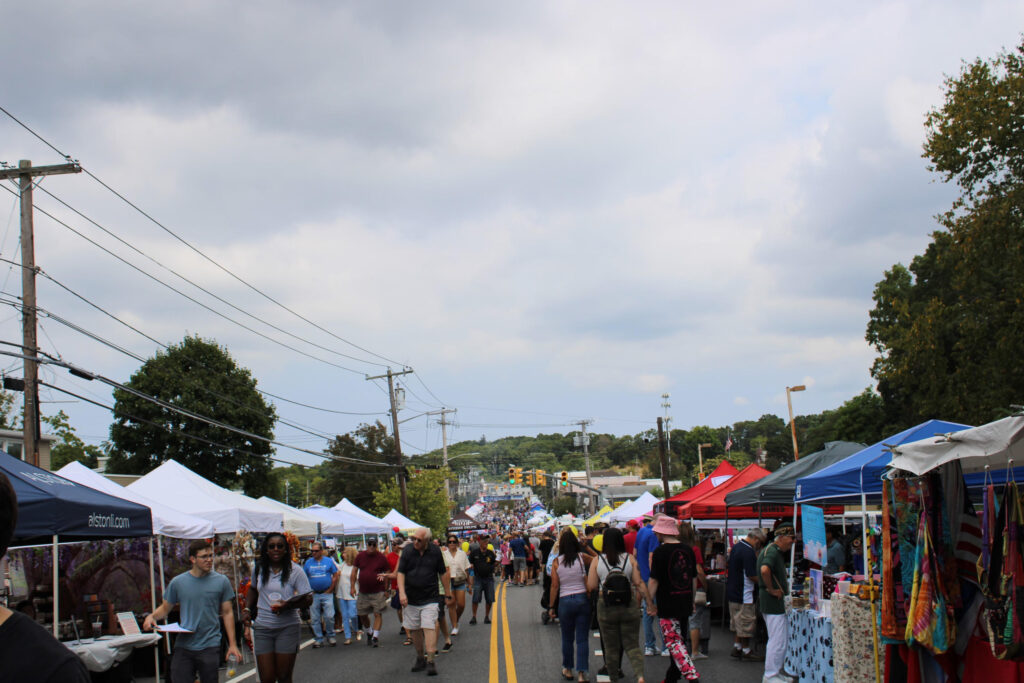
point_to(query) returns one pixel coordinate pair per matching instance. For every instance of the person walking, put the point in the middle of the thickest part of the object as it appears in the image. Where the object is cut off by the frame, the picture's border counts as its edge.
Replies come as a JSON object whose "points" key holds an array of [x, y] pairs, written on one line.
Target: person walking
{"points": [[615, 578], [279, 590], [771, 600], [643, 547], [204, 598], [699, 622], [739, 592], [505, 553], [569, 588], [397, 543], [419, 569], [673, 582], [346, 598], [484, 563], [323, 577], [458, 565], [371, 575]]}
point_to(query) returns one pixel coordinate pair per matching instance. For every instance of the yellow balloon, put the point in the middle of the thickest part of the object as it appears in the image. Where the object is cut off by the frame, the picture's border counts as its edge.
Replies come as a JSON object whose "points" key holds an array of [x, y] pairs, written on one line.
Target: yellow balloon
{"points": [[465, 546], [575, 531], [599, 543], [490, 547]]}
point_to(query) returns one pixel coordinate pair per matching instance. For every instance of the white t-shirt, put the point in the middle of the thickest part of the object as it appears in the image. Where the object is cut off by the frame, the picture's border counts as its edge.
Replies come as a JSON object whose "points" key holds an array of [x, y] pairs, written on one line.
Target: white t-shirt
{"points": [[343, 590]]}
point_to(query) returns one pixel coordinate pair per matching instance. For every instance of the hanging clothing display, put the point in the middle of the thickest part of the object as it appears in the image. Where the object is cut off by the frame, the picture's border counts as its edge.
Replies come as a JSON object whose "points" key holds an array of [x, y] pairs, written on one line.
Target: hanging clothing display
{"points": [[1002, 578], [930, 621]]}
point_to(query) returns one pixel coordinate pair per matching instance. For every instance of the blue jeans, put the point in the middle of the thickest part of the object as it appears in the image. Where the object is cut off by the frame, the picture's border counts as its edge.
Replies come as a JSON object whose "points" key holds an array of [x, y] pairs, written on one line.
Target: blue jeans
{"points": [[185, 664], [348, 617], [650, 641], [574, 618], [322, 608]]}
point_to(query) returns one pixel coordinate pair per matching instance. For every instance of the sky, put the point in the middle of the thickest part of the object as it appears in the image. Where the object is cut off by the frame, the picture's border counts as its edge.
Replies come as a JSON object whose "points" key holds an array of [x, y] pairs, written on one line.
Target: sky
{"points": [[551, 211]]}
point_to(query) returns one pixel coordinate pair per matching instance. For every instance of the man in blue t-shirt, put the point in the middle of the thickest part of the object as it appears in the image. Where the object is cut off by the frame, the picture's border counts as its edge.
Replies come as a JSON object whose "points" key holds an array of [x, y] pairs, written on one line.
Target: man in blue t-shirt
{"points": [[739, 592], [204, 598], [518, 547], [323, 576], [644, 545]]}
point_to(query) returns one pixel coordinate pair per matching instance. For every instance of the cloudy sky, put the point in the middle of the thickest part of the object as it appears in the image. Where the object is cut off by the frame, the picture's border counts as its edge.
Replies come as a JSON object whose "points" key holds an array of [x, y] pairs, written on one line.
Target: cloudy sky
{"points": [[550, 210]]}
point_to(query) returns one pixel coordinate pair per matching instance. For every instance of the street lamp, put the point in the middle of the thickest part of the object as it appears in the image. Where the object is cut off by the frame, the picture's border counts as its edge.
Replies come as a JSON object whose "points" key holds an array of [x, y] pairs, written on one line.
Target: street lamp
{"points": [[700, 459], [792, 423]]}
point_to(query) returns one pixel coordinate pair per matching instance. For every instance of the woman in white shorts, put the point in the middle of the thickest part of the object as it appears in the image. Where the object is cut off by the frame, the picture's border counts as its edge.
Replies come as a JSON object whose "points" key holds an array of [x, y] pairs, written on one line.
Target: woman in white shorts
{"points": [[279, 589]]}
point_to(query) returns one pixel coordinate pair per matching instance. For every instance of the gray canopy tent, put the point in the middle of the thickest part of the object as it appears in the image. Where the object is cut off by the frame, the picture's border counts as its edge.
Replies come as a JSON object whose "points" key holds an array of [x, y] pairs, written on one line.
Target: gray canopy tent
{"points": [[779, 487]]}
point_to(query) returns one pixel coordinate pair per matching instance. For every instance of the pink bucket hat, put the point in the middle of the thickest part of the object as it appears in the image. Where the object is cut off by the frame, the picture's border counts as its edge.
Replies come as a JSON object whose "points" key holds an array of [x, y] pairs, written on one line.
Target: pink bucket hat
{"points": [[666, 525]]}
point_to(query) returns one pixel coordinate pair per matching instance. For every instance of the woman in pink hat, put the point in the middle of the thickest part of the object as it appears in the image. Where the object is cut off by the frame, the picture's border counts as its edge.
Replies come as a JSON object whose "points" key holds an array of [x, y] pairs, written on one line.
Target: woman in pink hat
{"points": [[673, 583]]}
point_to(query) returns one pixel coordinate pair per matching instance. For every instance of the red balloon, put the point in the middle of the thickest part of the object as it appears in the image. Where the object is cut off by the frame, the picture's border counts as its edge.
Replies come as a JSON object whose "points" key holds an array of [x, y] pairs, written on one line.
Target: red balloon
{"points": [[395, 529]]}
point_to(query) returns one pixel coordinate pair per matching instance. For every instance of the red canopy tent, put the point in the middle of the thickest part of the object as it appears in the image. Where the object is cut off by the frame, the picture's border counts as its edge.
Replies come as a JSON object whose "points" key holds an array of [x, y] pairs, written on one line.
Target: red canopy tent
{"points": [[721, 474], [712, 504]]}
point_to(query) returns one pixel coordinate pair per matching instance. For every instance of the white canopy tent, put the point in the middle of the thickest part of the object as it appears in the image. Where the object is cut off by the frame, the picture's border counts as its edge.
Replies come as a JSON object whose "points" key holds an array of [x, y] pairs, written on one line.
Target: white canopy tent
{"points": [[633, 509], [354, 525], [474, 510], [178, 487], [302, 522], [394, 518], [348, 507], [167, 521], [996, 445]]}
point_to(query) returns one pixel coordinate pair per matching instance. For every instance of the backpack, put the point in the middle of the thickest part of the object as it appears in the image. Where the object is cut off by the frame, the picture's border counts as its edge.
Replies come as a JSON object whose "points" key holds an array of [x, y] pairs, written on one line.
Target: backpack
{"points": [[616, 590]]}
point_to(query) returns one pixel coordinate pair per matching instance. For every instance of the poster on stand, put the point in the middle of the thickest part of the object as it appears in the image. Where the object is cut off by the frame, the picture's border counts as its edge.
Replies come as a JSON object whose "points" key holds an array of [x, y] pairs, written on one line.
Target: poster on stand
{"points": [[814, 534], [814, 598]]}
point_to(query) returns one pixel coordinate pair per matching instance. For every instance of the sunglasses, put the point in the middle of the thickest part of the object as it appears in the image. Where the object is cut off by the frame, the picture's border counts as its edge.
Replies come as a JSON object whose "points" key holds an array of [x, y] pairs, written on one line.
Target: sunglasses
{"points": [[453, 541], [278, 546]]}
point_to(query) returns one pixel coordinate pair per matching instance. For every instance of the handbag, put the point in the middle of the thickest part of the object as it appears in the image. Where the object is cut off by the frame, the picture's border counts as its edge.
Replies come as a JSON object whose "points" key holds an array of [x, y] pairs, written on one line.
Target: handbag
{"points": [[930, 621], [1002, 579]]}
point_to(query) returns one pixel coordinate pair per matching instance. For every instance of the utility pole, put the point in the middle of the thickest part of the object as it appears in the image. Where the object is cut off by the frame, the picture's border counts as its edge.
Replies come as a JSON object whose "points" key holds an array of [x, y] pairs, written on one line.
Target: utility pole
{"points": [[668, 429], [664, 458], [444, 443], [24, 173], [584, 441], [394, 426]]}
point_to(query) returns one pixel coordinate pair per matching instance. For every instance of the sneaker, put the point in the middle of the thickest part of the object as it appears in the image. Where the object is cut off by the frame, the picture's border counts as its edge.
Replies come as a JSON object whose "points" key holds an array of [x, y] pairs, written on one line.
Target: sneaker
{"points": [[369, 640], [487, 620], [447, 647], [699, 655], [751, 657], [375, 641], [420, 665], [650, 652], [736, 652], [665, 653], [332, 642], [431, 669], [318, 644], [455, 631], [348, 641], [359, 635], [472, 621]]}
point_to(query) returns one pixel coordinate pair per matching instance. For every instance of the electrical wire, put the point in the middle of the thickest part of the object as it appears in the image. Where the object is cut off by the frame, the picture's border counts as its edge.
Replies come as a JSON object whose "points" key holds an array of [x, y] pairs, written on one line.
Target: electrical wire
{"points": [[189, 245]]}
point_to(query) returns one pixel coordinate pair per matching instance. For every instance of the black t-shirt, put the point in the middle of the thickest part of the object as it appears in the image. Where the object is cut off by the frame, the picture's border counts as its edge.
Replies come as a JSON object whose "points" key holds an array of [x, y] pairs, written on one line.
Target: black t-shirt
{"points": [[483, 563], [28, 652], [546, 544], [421, 573], [674, 566]]}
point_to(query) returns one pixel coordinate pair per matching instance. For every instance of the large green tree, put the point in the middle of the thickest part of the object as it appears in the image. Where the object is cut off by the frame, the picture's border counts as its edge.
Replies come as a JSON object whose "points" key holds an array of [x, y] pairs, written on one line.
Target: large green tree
{"points": [[69, 447], [198, 376], [428, 503], [343, 478], [947, 328]]}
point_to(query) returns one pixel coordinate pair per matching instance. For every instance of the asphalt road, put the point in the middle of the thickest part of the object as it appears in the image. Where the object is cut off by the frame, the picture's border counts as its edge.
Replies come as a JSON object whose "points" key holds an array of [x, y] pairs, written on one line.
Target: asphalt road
{"points": [[515, 647]]}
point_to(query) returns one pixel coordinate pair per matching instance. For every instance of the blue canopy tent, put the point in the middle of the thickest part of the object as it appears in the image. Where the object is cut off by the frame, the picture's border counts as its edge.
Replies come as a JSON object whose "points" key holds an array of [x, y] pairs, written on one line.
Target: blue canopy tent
{"points": [[52, 508]]}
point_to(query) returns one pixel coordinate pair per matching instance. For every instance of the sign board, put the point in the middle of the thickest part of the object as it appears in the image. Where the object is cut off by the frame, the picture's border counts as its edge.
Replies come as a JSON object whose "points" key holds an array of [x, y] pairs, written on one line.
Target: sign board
{"points": [[814, 534]]}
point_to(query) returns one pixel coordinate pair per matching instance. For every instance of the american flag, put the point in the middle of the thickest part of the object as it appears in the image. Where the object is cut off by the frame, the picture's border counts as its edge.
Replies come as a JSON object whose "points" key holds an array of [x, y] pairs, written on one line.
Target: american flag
{"points": [[728, 443]]}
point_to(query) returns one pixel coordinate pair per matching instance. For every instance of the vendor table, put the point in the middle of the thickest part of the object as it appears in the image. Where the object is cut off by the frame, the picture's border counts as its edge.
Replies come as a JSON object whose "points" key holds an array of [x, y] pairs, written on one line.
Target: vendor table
{"points": [[853, 640], [809, 650], [102, 653]]}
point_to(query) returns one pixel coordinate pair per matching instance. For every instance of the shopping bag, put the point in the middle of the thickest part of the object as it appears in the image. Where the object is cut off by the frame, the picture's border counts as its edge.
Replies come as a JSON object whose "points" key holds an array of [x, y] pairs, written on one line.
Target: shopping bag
{"points": [[930, 621]]}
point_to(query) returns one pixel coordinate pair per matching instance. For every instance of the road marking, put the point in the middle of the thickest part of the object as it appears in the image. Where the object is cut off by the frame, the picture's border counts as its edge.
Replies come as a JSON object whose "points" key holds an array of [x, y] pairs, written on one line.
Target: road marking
{"points": [[493, 678], [598, 653], [510, 661]]}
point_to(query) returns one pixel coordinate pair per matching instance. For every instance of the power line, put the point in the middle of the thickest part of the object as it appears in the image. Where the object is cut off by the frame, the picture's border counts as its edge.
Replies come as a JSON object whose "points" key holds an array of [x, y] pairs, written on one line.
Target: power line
{"points": [[193, 248]]}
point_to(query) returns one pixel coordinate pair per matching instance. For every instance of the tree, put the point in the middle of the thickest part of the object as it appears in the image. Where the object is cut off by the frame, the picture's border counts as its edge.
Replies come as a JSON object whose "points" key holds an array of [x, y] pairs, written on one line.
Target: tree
{"points": [[564, 505], [861, 420], [357, 480], [946, 327], [428, 503], [69, 448], [201, 377]]}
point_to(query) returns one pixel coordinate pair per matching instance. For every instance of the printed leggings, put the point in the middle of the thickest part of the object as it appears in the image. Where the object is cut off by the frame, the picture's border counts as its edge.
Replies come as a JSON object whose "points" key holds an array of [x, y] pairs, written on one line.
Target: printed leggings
{"points": [[680, 666]]}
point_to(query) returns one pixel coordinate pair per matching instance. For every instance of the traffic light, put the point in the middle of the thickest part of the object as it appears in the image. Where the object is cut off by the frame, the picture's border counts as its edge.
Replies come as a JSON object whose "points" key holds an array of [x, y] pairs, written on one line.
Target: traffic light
{"points": [[565, 478], [529, 478], [518, 475], [511, 475], [540, 479]]}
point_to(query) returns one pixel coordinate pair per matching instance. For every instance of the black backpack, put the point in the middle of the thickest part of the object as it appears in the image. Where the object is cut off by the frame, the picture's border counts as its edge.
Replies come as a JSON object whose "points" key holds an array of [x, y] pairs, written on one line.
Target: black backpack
{"points": [[616, 589]]}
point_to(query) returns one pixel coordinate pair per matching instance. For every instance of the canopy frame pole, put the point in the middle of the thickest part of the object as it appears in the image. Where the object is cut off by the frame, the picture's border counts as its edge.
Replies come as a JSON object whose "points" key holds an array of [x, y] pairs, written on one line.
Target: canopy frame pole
{"points": [[792, 551], [152, 608], [56, 586], [864, 533], [163, 586]]}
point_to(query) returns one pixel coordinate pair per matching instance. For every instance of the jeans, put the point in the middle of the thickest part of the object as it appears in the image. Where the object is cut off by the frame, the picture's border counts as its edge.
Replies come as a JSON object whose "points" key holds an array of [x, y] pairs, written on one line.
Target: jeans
{"points": [[186, 663], [322, 608], [650, 642], [574, 618], [483, 589], [348, 617]]}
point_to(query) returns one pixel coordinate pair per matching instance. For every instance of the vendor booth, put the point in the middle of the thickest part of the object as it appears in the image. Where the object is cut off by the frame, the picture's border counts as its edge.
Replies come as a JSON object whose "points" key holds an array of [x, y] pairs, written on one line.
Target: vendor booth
{"points": [[462, 524], [638, 507], [719, 476], [403, 523], [302, 523], [779, 486]]}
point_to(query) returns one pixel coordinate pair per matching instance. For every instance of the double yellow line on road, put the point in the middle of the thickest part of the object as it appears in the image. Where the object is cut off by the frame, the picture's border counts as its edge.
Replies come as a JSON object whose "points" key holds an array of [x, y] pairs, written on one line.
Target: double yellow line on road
{"points": [[500, 620]]}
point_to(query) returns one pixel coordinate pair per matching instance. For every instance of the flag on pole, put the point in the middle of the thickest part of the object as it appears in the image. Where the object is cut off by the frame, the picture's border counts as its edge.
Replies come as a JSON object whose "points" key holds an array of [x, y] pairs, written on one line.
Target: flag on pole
{"points": [[728, 444]]}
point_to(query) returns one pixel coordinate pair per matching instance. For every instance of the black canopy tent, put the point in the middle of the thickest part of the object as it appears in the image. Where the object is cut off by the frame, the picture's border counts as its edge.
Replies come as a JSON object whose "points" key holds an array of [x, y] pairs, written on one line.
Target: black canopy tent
{"points": [[779, 487]]}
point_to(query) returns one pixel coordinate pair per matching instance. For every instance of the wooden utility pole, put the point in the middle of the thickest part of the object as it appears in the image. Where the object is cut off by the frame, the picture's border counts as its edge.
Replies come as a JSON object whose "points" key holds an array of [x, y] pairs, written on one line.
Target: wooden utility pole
{"points": [[24, 173], [664, 458], [444, 444], [394, 426]]}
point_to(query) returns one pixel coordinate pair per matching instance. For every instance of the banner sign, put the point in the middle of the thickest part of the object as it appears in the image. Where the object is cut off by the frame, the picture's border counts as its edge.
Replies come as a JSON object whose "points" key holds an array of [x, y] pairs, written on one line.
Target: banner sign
{"points": [[814, 534]]}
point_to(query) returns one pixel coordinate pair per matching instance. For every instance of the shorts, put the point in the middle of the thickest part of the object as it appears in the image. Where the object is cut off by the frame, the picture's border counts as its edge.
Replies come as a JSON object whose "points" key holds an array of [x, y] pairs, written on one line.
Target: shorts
{"points": [[483, 589], [459, 586], [281, 639], [375, 603], [742, 619], [701, 621], [415, 617], [519, 564]]}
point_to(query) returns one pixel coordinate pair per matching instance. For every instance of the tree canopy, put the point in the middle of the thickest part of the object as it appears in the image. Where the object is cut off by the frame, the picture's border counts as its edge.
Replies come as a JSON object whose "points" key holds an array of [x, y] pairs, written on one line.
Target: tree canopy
{"points": [[427, 502], [357, 481], [200, 377]]}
